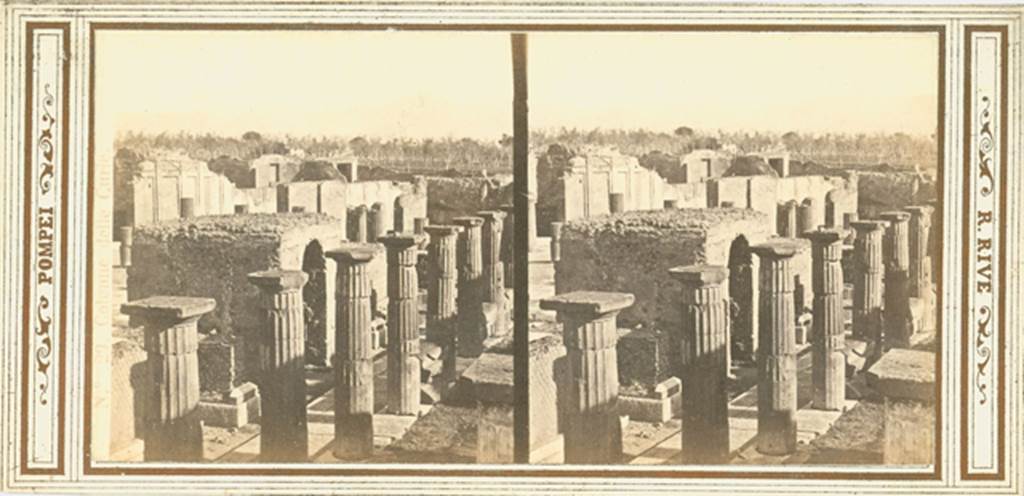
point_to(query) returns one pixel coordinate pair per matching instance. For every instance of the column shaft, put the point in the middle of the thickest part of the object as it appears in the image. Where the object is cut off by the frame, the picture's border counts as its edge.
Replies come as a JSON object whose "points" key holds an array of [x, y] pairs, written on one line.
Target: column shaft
{"points": [[493, 269], [470, 335], [403, 325], [898, 326], [868, 282], [828, 373], [442, 294]]}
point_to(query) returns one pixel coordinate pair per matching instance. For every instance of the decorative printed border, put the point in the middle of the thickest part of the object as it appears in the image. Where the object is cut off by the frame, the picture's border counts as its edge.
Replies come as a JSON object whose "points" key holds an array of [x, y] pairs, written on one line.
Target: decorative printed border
{"points": [[983, 366], [45, 241]]}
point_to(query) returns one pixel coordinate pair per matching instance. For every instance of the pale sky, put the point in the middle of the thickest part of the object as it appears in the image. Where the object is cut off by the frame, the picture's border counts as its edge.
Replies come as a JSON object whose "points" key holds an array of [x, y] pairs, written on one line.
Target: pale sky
{"points": [[437, 84]]}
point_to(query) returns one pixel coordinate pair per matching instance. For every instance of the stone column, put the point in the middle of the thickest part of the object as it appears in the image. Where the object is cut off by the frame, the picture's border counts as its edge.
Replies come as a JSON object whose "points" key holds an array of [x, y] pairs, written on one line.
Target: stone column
{"points": [[920, 262], [171, 339], [593, 433], [470, 339], [616, 203], [353, 389], [556, 241], [359, 221], [126, 245], [403, 324], [419, 225], [805, 218], [786, 219], [283, 433], [896, 247], [378, 222], [493, 269], [442, 294], [776, 353], [187, 208], [705, 408], [828, 372], [868, 282]]}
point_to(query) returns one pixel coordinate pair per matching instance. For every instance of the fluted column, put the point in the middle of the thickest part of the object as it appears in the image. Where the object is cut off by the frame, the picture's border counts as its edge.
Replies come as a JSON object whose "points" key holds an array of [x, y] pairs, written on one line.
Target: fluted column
{"points": [[442, 294], [493, 269], [868, 280], [171, 340], [594, 431], [353, 389], [896, 247], [786, 219], [403, 324], [470, 335], [776, 353], [920, 262], [828, 372], [705, 408], [283, 430]]}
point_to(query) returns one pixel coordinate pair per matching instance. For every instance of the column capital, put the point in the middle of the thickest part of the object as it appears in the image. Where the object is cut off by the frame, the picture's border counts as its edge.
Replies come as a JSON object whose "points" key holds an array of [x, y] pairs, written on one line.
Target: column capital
{"points": [[468, 221], [699, 275], [590, 304], [825, 236], [353, 254], [442, 230], [169, 307], [492, 215], [923, 212], [869, 225], [400, 241], [278, 280], [777, 248], [895, 216]]}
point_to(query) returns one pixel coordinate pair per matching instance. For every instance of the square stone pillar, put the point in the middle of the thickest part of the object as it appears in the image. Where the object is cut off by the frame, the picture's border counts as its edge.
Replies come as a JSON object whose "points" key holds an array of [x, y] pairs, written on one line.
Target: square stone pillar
{"points": [[776, 354], [594, 430], [906, 379], [353, 389], [403, 350], [828, 373], [171, 339], [442, 293], [896, 248], [493, 268], [868, 280], [471, 324], [284, 436], [705, 408]]}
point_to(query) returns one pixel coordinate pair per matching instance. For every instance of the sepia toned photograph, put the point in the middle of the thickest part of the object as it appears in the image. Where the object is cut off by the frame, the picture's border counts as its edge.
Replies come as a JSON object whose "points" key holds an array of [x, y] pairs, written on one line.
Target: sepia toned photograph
{"points": [[737, 251], [310, 243], [496, 248]]}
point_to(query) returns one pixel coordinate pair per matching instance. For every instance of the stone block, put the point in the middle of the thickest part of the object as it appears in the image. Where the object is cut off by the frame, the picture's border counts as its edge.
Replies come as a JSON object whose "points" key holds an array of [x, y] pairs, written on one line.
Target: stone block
{"points": [[489, 379], [218, 363], [239, 407], [644, 357], [663, 404], [903, 374], [494, 435]]}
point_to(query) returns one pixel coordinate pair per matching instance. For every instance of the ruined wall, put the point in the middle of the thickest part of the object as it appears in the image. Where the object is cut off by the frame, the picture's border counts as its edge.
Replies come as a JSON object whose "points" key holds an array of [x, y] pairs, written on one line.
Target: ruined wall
{"points": [[632, 252], [163, 182], [882, 191], [259, 200], [452, 197], [687, 195], [211, 257], [325, 197]]}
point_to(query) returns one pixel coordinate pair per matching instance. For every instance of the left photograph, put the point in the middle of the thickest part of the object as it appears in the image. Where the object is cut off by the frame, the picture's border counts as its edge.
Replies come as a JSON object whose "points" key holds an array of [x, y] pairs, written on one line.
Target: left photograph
{"points": [[302, 247]]}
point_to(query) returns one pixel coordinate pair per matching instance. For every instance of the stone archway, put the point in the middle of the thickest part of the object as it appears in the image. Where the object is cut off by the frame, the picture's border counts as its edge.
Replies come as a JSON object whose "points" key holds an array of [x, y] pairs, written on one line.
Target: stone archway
{"points": [[743, 299]]}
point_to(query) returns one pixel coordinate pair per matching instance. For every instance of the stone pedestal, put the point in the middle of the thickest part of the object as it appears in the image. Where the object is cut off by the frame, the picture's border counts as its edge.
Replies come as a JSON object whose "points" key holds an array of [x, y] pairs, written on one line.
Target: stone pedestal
{"points": [[358, 228], [471, 326], [283, 431], [906, 379], [670, 204], [187, 208], [786, 219], [616, 203], [493, 268], [126, 245], [173, 432], [805, 217], [705, 404], [442, 294], [868, 280], [353, 390], [776, 354], [896, 248], [403, 324], [594, 430], [556, 242], [828, 373]]}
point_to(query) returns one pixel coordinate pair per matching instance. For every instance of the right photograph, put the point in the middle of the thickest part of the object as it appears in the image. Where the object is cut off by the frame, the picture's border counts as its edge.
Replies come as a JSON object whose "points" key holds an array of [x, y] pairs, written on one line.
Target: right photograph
{"points": [[735, 247]]}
